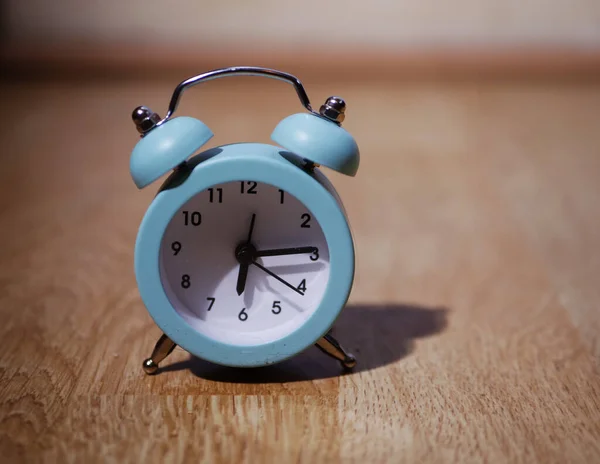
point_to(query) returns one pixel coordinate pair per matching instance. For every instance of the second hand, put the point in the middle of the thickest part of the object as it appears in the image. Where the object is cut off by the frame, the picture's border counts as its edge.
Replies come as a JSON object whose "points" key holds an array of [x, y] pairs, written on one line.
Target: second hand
{"points": [[272, 274]]}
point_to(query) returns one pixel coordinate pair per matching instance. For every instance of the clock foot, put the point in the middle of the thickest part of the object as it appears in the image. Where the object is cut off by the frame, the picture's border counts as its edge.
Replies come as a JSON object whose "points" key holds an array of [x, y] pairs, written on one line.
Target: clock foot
{"points": [[163, 348], [331, 347]]}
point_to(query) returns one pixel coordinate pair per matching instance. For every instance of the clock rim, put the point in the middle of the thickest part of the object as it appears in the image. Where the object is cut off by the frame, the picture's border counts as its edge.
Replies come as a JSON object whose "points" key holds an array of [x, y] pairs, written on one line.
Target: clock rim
{"points": [[262, 163]]}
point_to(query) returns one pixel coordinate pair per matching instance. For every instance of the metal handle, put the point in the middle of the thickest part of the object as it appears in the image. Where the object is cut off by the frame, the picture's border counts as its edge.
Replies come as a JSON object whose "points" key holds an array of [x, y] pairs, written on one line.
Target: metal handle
{"points": [[236, 71]]}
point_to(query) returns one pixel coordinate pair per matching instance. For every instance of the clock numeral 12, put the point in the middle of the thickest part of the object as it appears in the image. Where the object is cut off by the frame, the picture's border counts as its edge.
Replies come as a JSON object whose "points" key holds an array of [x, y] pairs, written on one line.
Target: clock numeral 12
{"points": [[251, 187]]}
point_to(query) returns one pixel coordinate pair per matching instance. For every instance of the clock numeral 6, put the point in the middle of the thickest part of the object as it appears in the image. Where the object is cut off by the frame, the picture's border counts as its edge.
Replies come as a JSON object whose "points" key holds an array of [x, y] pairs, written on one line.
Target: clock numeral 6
{"points": [[243, 315], [194, 218], [276, 307], [185, 281], [305, 221]]}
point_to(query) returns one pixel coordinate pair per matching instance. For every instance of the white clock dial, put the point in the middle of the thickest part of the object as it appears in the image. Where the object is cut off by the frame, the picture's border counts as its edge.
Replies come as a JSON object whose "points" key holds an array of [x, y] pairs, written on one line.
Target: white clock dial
{"points": [[200, 270]]}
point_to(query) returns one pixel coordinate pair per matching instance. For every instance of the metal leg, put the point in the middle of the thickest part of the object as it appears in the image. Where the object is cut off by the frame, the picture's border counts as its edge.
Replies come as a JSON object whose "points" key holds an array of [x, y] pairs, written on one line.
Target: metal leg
{"points": [[330, 346], [163, 348]]}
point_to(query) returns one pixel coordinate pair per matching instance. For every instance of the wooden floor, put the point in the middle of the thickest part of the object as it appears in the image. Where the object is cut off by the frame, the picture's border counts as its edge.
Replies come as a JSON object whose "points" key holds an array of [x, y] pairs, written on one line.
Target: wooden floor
{"points": [[475, 314]]}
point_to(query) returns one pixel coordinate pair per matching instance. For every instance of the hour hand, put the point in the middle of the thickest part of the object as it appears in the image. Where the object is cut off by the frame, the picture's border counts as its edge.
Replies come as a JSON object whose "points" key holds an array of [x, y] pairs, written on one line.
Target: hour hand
{"points": [[245, 254], [285, 251], [242, 276]]}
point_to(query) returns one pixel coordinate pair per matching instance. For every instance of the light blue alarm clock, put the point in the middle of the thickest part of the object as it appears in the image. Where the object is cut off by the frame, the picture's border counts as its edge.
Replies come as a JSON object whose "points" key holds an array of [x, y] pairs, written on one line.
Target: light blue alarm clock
{"points": [[245, 257]]}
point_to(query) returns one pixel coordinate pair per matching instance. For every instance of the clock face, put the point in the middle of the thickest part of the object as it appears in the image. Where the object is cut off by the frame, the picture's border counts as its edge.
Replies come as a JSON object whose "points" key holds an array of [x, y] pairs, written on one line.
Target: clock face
{"points": [[244, 263]]}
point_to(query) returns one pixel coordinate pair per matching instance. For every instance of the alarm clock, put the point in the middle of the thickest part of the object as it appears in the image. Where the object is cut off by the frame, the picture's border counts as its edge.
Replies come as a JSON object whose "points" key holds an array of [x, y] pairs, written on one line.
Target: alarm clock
{"points": [[245, 256]]}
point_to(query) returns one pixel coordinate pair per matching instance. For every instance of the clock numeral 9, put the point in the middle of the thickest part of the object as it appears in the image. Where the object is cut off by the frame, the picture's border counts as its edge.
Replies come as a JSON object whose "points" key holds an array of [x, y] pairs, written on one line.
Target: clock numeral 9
{"points": [[185, 281], [194, 218], [176, 247], [251, 187], [276, 307], [306, 220], [243, 315]]}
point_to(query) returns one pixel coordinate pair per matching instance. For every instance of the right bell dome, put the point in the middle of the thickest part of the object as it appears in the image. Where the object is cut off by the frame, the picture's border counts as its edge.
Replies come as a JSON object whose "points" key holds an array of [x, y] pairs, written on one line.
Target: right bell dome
{"points": [[319, 140]]}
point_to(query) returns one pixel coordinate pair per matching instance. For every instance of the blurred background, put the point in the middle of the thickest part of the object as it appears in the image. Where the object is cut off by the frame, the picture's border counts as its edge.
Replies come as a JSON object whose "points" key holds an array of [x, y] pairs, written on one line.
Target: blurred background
{"points": [[441, 95], [354, 39], [343, 24]]}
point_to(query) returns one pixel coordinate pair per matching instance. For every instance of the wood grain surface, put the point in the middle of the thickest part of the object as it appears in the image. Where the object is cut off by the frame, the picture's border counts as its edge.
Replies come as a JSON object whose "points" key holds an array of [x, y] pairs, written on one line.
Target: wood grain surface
{"points": [[475, 314]]}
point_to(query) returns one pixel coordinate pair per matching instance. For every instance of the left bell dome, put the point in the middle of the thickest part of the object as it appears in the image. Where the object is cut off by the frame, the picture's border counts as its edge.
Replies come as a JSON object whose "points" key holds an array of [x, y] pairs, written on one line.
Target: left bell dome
{"points": [[166, 147]]}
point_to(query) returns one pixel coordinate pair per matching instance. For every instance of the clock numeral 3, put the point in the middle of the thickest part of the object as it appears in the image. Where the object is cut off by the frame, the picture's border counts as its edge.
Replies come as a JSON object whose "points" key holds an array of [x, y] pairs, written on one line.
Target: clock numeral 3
{"points": [[212, 302], [185, 281], [306, 221], [315, 255], [176, 247], [243, 315], [194, 218], [276, 307], [248, 187], [219, 195]]}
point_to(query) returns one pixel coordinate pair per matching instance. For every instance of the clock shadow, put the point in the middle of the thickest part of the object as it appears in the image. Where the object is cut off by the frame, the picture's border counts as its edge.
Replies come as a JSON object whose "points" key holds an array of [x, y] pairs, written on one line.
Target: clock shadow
{"points": [[378, 335]]}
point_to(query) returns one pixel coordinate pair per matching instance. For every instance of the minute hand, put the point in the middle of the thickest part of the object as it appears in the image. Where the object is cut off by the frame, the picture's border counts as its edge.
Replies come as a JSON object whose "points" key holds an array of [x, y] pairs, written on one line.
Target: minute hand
{"points": [[285, 251]]}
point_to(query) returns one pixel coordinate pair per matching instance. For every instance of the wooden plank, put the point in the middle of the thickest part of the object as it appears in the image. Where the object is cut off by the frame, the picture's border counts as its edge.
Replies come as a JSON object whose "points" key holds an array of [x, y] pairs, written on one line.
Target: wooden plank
{"points": [[472, 316]]}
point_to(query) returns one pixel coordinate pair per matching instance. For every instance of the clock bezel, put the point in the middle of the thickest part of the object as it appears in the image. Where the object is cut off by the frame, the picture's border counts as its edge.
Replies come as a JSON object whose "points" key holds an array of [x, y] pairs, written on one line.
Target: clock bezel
{"points": [[230, 163]]}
